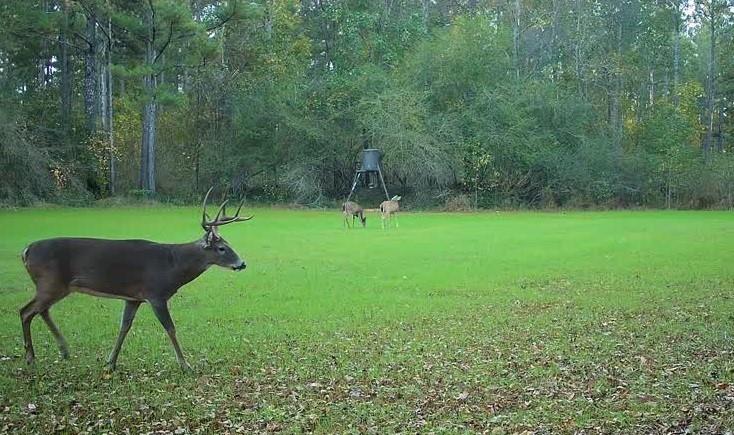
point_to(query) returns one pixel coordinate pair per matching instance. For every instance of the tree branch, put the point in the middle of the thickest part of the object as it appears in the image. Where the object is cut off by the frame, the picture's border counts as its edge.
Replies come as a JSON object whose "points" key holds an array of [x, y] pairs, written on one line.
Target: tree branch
{"points": [[168, 41], [80, 36], [92, 14], [225, 20], [47, 38]]}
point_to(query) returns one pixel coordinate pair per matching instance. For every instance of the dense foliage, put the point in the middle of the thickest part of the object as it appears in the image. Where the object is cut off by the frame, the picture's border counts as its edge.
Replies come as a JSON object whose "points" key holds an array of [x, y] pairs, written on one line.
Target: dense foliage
{"points": [[488, 103]]}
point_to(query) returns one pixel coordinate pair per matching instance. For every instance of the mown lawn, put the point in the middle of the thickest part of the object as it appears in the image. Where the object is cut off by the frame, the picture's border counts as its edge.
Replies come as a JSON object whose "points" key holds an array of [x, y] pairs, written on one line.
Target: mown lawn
{"points": [[453, 323]]}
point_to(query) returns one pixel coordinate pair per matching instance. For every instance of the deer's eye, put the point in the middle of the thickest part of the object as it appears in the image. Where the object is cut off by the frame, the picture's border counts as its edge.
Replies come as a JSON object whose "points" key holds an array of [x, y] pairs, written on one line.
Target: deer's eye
{"points": [[221, 250]]}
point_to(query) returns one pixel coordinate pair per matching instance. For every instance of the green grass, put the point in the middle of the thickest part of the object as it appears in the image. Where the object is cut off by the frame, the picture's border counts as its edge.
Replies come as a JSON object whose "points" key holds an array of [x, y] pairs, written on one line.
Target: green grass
{"points": [[549, 322]]}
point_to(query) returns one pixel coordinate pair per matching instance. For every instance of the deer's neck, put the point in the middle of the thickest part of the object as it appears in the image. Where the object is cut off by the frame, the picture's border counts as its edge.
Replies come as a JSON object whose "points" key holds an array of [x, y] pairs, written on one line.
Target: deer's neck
{"points": [[190, 262]]}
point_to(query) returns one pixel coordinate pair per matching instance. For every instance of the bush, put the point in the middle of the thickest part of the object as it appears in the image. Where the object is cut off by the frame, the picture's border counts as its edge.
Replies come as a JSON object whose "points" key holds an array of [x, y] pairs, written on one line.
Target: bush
{"points": [[24, 169], [460, 202]]}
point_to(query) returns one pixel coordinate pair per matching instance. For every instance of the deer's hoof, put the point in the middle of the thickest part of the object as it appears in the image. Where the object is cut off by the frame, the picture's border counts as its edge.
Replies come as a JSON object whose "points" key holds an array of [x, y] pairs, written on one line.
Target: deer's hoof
{"points": [[186, 368], [30, 359], [110, 367]]}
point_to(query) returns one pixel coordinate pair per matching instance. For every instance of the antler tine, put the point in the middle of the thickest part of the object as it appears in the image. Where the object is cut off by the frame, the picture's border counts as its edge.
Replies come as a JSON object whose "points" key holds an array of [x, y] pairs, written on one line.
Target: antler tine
{"points": [[237, 213], [220, 212], [223, 219], [236, 217], [204, 221]]}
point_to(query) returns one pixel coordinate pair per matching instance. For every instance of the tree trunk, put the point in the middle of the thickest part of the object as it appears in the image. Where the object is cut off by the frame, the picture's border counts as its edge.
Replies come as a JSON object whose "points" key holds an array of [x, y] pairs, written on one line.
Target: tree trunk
{"points": [[553, 57], [91, 88], [651, 86], [711, 82], [616, 107], [516, 38], [147, 166], [108, 114], [577, 48], [425, 5], [197, 167], [719, 134], [102, 86], [676, 51], [147, 154], [43, 58], [669, 189], [66, 72]]}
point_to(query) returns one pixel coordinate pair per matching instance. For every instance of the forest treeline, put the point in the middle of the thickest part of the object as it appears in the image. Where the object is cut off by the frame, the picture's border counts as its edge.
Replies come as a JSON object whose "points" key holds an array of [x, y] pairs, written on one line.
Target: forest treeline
{"points": [[475, 103]]}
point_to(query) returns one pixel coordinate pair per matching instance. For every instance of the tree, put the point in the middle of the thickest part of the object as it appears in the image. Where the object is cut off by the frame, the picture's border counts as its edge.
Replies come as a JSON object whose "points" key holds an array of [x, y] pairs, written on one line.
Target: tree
{"points": [[152, 30]]}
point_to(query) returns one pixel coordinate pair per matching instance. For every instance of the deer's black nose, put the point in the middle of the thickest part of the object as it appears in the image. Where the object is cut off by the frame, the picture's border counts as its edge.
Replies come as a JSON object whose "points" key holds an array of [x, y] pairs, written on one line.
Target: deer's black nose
{"points": [[242, 266]]}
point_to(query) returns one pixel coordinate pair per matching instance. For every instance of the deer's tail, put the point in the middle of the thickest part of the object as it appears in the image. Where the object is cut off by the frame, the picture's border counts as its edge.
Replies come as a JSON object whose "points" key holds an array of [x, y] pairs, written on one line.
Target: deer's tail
{"points": [[24, 255]]}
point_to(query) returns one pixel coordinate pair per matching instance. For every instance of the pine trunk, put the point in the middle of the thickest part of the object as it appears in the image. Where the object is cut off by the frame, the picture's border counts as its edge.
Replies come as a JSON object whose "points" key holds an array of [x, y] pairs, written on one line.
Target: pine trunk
{"points": [[676, 53], [66, 72], [577, 48], [617, 123], [147, 155], [516, 39], [91, 88], [108, 114], [711, 82]]}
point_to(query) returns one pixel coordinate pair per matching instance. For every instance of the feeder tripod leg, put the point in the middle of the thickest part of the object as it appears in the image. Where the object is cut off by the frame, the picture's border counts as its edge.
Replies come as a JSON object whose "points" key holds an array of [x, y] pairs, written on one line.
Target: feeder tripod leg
{"points": [[379, 171], [354, 185]]}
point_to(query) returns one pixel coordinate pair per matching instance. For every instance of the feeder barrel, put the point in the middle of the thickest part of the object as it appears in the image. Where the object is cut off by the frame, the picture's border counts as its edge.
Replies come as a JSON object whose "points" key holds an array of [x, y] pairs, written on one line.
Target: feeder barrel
{"points": [[371, 160]]}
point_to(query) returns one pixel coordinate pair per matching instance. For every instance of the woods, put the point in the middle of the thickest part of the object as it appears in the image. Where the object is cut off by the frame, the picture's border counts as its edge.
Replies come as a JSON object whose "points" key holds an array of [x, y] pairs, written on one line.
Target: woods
{"points": [[475, 103]]}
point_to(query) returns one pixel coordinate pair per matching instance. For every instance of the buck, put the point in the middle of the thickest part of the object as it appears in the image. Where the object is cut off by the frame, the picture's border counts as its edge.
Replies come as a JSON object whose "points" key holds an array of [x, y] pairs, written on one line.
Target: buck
{"points": [[136, 271], [388, 209], [353, 209]]}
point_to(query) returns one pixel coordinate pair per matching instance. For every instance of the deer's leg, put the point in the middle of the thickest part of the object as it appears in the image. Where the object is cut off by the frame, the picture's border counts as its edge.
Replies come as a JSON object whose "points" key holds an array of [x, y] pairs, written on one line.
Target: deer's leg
{"points": [[26, 316], [46, 295], [128, 314], [63, 347], [160, 308], [397, 224]]}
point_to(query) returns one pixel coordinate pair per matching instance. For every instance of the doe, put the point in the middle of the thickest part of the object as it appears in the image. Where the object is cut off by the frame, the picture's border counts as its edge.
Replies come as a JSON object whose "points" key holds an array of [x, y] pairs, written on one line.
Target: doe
{"points": [[353, 209], [388, 209]]}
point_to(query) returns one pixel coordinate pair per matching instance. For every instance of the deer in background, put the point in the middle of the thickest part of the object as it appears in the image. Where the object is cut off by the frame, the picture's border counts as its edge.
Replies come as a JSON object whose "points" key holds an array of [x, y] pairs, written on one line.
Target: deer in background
{"points": [[388, 209], [135, 271], [353, 209]]}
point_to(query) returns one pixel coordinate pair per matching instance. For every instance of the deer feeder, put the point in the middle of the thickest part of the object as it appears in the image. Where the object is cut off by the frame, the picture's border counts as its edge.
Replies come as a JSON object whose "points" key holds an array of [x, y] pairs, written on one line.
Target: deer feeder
{"points": [[369, 171]]}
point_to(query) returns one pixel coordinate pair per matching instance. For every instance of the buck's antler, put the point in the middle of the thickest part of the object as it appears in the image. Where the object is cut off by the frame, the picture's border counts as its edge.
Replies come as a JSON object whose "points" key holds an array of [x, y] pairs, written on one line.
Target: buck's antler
{"points": [[221, 218]]}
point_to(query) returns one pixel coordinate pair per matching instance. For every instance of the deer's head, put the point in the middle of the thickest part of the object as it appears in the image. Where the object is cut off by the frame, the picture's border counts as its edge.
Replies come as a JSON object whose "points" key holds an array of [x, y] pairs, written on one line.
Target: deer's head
{"points": [[217, 249]]}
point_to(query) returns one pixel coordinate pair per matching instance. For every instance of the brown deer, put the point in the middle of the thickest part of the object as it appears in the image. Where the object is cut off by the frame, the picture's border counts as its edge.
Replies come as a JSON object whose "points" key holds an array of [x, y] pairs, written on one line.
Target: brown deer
{"points": [[353, 209], [136, 271], [389, 209]]}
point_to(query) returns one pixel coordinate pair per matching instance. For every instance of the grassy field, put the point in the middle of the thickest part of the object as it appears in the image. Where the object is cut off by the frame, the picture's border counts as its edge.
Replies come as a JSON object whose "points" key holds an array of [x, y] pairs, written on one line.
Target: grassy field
{"points": [[496, 322]]}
